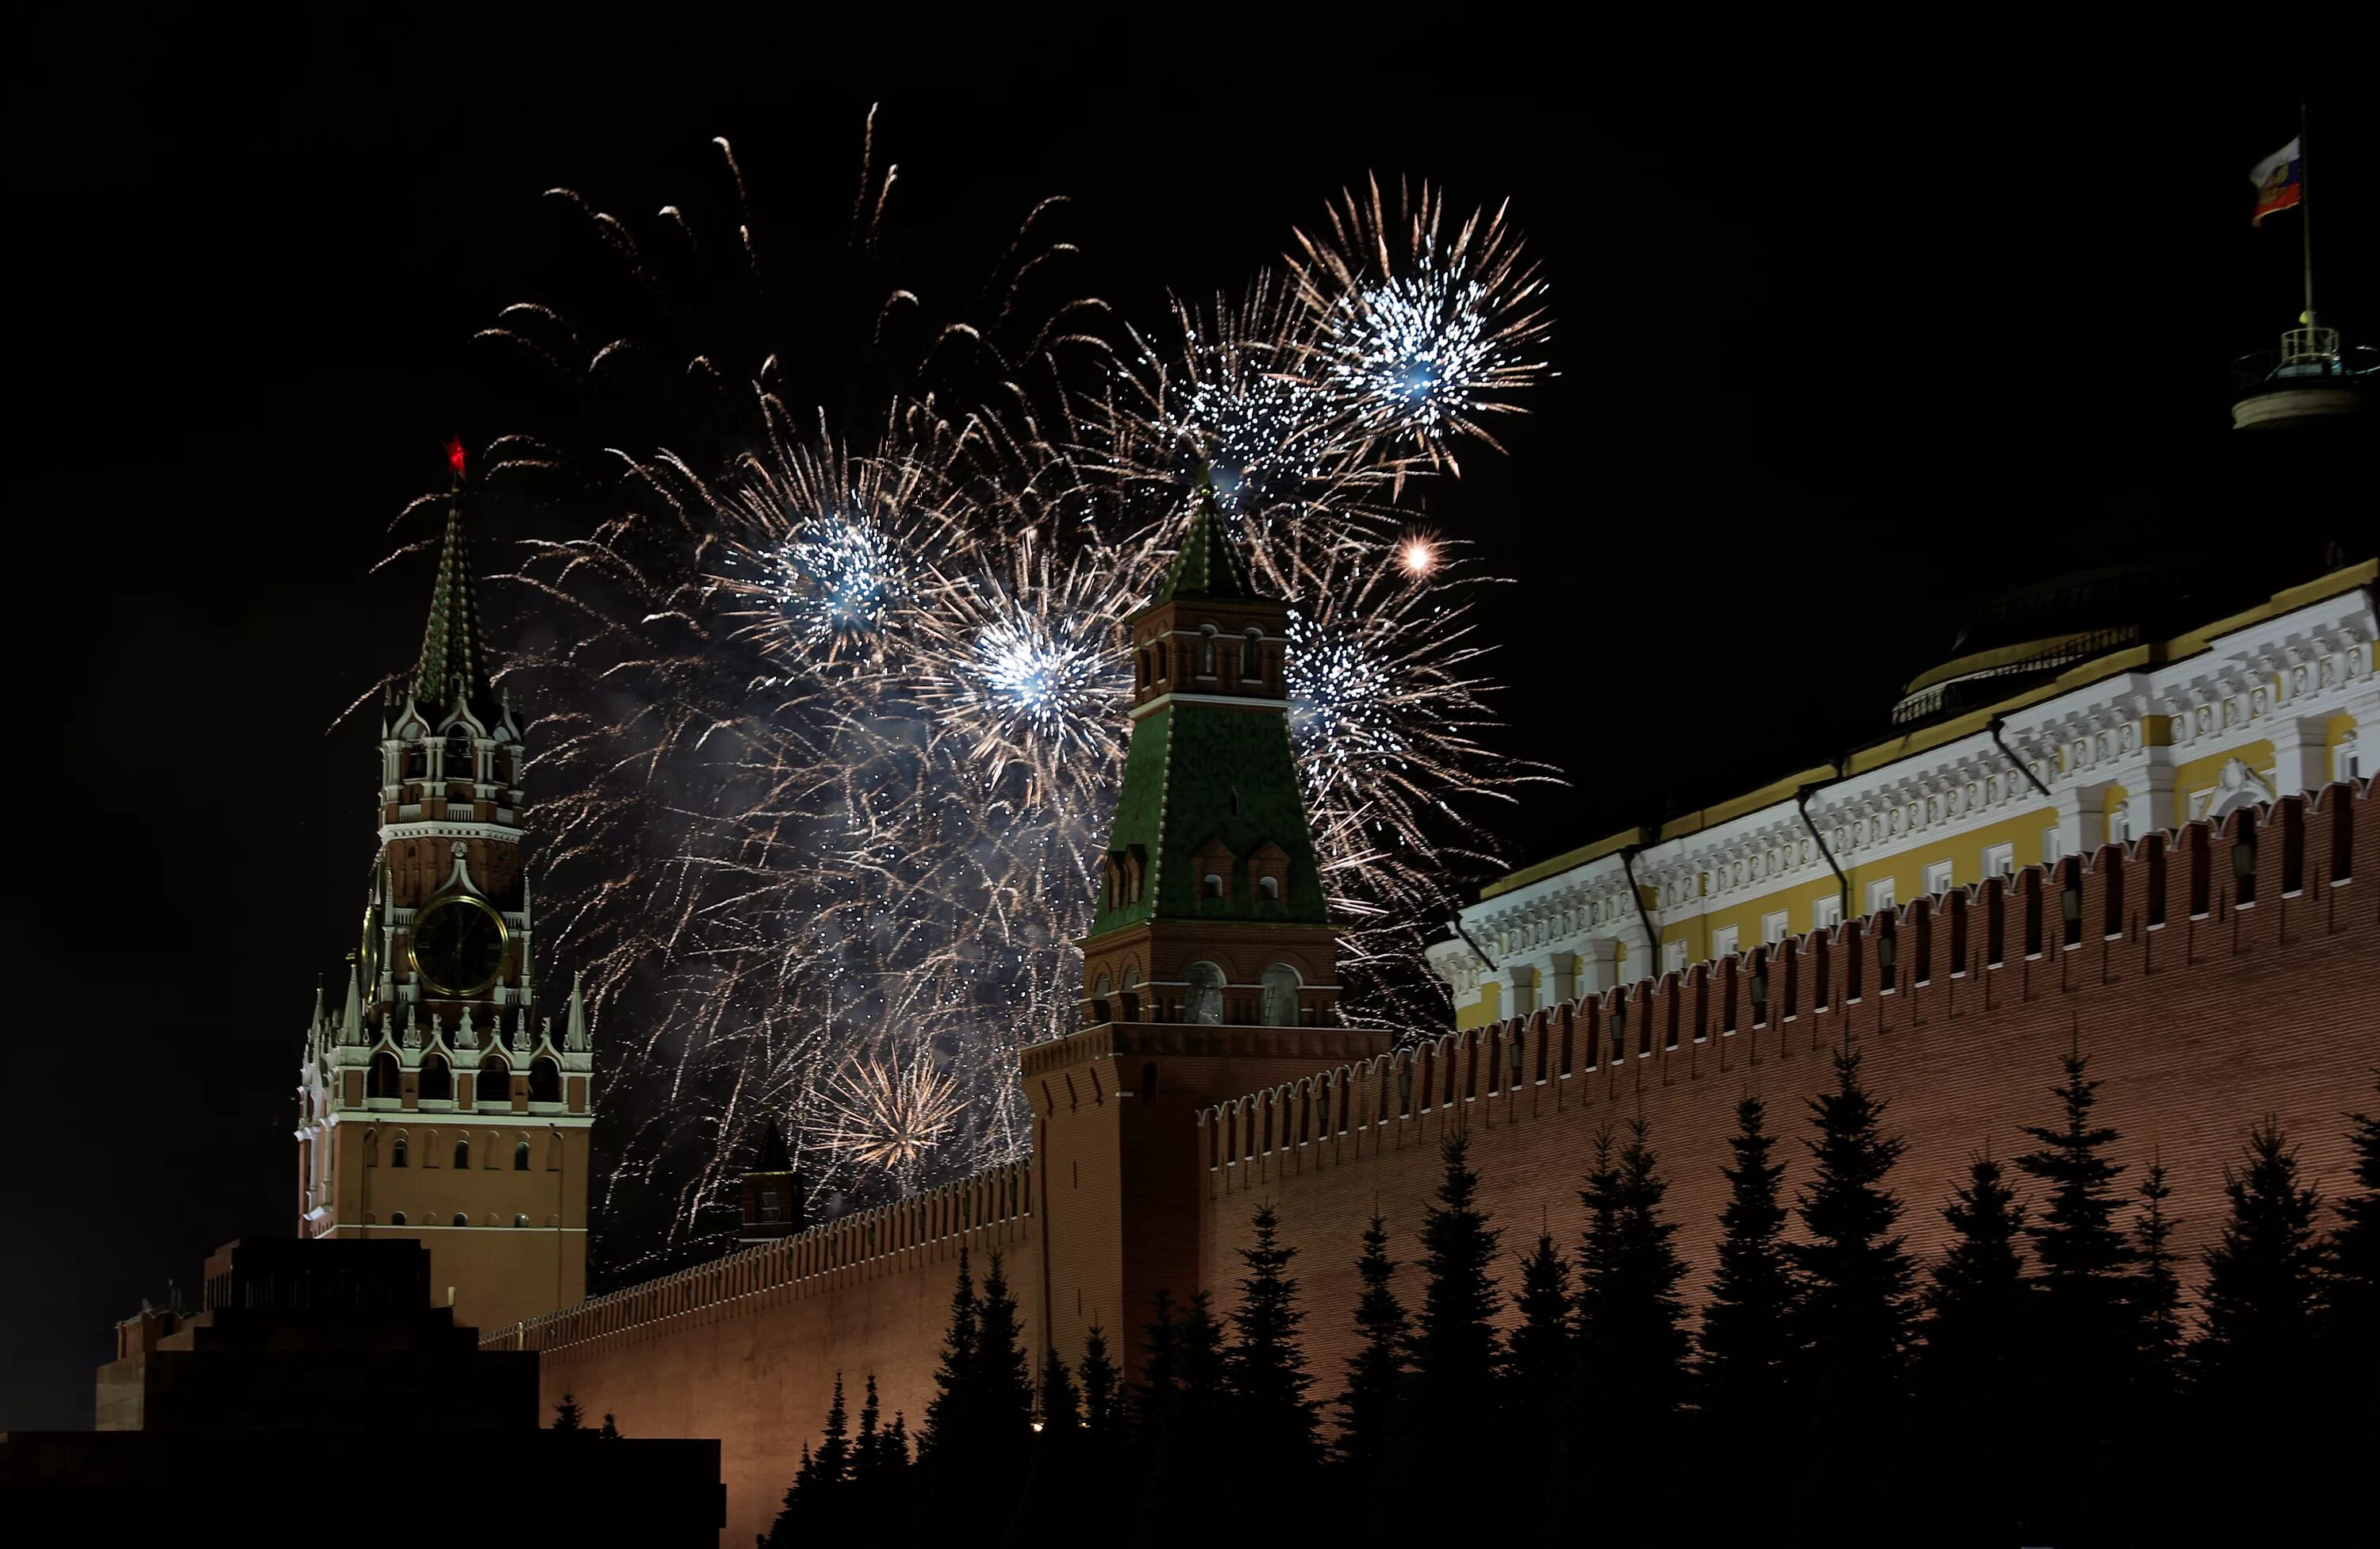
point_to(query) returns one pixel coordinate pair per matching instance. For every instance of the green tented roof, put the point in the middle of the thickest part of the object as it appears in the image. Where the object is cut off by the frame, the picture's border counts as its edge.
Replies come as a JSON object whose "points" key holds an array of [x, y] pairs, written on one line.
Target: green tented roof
{"points": [[1211, 564], [453, 656]]}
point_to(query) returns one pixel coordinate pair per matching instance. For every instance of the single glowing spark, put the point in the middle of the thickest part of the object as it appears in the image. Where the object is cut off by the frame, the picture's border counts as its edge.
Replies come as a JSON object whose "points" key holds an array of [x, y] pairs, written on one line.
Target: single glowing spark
{"points": [[1417, 555]]}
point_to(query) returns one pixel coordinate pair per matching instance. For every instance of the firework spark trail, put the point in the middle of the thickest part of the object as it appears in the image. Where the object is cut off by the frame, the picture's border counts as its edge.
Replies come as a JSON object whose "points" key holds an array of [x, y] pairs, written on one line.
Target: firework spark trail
{"points": [[832, 737]]}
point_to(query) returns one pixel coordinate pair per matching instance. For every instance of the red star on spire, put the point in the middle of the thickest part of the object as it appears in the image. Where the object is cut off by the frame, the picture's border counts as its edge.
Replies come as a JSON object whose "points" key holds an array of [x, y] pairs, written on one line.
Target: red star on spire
{"points": [[455, 455]]}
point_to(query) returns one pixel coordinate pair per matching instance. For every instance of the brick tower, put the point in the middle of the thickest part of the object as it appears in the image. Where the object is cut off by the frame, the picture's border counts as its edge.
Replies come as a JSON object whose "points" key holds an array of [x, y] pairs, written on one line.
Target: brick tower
{"points": [[772, 1193], [436, 1103], [1211, 967]]}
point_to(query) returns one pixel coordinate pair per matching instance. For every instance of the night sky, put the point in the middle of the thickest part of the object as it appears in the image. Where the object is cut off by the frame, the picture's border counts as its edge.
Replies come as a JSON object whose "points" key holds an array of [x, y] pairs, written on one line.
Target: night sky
{"points": [[1847, 343]]}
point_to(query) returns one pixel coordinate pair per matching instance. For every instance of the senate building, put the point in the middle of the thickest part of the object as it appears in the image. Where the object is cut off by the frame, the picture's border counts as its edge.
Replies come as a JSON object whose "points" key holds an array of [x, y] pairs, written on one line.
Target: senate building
{"points": [[2129, 809]]}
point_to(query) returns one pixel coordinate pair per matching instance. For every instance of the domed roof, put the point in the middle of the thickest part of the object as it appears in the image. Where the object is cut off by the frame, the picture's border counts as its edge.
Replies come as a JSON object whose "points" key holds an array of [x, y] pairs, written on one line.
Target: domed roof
{"points": [[2033, 633]]}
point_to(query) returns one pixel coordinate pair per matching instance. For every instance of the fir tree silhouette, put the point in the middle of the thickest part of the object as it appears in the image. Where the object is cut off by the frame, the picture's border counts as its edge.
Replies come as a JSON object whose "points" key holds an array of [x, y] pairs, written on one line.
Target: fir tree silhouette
{"points": [[1003, 1371], [1745, 1340], [2157, 1286], [1631, 1335], [2088, 1411], [1971, 1363], [2351, 1294], [1060, 1409], [815, 1506], [833, 1456], [1456, 1351], [2159, 1486], [1852, 1321], [2348, 1331], [947, 1413], [1053, 1479], [1368, 1408], [567, 1415], [1102, 1387], [1271, 1422], [1537, 1379], [2255, 1360], [2263, 1278], [1182, 1420], [1266, 1368]]}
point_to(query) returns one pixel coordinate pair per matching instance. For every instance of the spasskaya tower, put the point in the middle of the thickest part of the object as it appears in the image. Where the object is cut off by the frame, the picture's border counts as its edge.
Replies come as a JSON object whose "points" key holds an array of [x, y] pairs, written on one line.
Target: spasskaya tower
{"points": [[439, 1101]]}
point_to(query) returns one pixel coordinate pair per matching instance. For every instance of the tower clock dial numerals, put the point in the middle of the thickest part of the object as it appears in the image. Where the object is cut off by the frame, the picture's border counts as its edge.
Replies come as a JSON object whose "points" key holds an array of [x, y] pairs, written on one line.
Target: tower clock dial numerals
{"points": [[458, 945]]}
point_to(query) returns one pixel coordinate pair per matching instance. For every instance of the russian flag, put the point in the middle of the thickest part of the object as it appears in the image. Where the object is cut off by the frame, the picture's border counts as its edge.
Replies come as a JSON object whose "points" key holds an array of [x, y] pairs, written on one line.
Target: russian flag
{"points": [[2279, 179]]}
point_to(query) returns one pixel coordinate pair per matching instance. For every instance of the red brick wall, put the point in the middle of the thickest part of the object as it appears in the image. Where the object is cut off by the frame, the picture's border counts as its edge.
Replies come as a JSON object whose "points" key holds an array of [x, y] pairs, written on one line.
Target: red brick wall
{"points": [[746, 1349], [2197, 1027], [2197, 1024]]}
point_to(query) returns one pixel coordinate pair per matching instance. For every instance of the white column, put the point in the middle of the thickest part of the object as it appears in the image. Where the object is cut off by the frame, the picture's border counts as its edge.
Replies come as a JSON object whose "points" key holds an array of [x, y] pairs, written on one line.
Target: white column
{"points": [[1598, 965], [1565, 975], [1644, 960], [2082, 817], [2300, 759], [1520, 988]]}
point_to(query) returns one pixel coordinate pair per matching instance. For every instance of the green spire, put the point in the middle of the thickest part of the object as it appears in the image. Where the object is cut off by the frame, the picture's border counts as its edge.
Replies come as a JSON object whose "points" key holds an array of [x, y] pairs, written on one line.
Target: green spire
{"points": [[1211, 564], [452, 660]]}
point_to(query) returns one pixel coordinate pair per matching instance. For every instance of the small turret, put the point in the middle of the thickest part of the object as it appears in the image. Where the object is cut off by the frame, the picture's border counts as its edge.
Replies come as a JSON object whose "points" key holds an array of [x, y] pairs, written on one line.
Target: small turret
{"points": [[574, 1030], [773, 1202]]}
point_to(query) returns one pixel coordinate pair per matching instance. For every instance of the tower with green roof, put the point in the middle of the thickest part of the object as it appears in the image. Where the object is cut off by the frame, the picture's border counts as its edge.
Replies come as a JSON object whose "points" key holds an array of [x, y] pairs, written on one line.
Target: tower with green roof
{"points": [[1210, 907], [1211, 968]]}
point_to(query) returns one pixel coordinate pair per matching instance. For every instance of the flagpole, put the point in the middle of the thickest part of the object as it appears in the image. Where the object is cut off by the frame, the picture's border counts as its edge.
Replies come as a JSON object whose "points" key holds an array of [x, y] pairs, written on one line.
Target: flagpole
{"points": [[2305, 214]]}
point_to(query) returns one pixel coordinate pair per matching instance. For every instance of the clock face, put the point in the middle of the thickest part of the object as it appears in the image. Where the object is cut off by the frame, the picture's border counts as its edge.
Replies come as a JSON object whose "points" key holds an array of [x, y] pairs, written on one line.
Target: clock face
{"points": [[458, 945]]}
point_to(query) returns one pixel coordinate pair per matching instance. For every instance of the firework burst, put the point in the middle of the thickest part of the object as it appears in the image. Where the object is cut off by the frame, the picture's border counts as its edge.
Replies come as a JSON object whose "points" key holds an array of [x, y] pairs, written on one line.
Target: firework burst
{"points": [[833, 737], [1418, 324], [882, 1115]]}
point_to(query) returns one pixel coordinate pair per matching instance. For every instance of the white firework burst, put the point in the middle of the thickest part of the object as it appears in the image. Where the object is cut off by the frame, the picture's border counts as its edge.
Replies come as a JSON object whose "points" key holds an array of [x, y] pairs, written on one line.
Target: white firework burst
{"points": [[883, 1111], [1419, 324]]}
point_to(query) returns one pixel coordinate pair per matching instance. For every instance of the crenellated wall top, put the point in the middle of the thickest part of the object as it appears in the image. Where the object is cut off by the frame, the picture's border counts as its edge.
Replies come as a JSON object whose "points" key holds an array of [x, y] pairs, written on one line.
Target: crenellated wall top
{"points": [[2274, 850]]}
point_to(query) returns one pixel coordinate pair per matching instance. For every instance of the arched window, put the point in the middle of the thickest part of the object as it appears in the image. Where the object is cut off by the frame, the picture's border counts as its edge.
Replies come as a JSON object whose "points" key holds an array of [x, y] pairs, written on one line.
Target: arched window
{"points": [[461, 1219], [437, 1078], [387, 1078], [1252, 659], [396, 1217], [520, 1158], [462, 1153], [1268, 886], [1207, 652], [1281, 984], [544, 1081], [1206, 1002], [1213, 884], [460, 765], [397, 1153], [495, 1081]]}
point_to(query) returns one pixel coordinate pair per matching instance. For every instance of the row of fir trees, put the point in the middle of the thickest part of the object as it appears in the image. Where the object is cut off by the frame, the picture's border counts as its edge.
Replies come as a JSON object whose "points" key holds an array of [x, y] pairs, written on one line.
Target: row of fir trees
{"points": [[2043, 1383]]}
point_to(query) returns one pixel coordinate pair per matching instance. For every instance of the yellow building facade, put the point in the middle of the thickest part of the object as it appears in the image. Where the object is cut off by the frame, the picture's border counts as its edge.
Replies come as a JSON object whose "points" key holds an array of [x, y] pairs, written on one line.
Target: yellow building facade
{"points": [[2073, 740]]}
